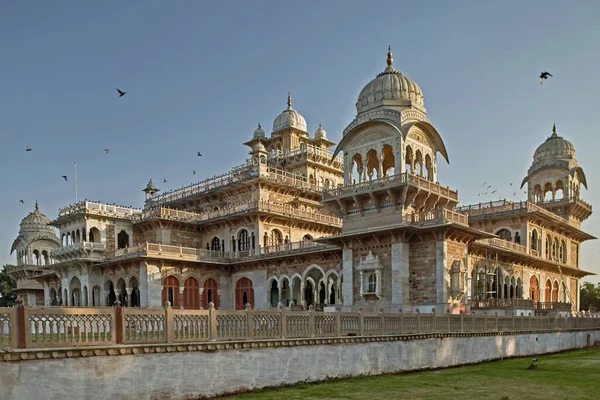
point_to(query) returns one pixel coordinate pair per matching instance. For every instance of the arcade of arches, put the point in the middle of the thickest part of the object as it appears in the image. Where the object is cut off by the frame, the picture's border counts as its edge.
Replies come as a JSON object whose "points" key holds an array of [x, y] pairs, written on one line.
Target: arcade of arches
{"points": [[314, 287], [190, 293]]}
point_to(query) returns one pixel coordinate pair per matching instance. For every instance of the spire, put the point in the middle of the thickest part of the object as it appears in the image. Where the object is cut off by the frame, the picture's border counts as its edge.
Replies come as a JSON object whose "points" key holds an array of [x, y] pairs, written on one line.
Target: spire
{"points": [[554, 130], [389, 60], [36, 206], [259, 127], [289, 102]]}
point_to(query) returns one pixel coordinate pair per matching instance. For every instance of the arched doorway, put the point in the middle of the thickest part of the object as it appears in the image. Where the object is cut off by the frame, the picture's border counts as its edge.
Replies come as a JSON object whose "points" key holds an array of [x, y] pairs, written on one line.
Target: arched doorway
{"points": [[534, 289], [170, 291], [244, 294], [191, 294], [274, 293], [555, 292], [122, 240], [309, 296], [135, 292], [111, 297], [210, 293], [548, 291], [75, 289]]}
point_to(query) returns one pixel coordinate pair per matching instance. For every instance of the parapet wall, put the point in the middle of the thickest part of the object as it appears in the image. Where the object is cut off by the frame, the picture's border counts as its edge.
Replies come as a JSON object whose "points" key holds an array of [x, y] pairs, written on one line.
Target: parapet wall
{"points": [[187, 371]]}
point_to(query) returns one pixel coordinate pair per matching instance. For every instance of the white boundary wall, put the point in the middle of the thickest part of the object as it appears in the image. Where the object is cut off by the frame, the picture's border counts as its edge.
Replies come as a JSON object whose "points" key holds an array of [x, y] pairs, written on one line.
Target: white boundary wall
{"points": [[185, 375]]}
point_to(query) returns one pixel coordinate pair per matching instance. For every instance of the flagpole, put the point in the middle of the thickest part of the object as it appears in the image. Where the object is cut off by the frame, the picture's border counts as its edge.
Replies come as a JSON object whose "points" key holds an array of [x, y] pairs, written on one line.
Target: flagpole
{"points": [[75, 169]]}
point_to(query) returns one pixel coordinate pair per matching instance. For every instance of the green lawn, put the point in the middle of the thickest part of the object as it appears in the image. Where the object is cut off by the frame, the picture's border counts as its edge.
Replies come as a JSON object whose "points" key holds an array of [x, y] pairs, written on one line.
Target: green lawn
{"points": [[573, 375]]}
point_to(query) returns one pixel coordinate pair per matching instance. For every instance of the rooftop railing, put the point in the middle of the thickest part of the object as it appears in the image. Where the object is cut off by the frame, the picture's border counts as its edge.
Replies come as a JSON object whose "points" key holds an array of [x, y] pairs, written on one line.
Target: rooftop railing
{"points": [[389, 182], [504, 206], [309, 149], [234, 209], [90, 207]]}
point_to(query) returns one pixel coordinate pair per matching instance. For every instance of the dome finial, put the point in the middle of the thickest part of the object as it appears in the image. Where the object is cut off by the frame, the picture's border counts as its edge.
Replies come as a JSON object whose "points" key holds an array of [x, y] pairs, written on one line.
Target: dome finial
{"points": [[554, 130], [259, 126], [36, 206], [289, 101], [390, 60]]}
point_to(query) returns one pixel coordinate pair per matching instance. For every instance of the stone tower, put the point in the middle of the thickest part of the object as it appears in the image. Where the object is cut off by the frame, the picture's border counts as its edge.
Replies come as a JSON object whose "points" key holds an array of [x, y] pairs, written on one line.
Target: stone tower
{"points": [[555, 178]]}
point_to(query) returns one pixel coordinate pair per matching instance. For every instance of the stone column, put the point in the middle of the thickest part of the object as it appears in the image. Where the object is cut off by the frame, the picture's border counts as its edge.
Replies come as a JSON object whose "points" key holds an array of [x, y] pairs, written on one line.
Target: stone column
{"points": [[181, 289], [347, 287], [150, 286], [441, 283], [400, 273], [47, 299], [129, 290]]}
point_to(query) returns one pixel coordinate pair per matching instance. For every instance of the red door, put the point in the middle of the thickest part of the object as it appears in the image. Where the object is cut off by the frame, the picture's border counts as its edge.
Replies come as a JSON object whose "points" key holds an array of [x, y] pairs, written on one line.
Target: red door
{"points": [[210, 293], [191, 294], [170, 291], [244, 294]]}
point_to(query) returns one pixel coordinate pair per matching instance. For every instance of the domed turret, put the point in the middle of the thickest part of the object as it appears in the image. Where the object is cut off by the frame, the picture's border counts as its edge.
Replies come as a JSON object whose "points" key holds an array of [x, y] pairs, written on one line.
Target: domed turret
{"points": [[36, 221], [259, 147], [555, 178], [36, 239], [320, 133], [259, 133], [555, 147], [289, 118], [390, 89]]}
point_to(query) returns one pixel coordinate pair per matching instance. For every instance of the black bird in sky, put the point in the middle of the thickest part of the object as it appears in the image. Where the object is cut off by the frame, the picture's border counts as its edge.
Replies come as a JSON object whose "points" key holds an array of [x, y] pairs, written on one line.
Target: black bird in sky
{"points": [[199, 155], [64, 177], [164, 180], [27, 148], [488, 187], [544, 75], [106, 150], [494, 191], [121, 93], [21, 201], [194, 172]]}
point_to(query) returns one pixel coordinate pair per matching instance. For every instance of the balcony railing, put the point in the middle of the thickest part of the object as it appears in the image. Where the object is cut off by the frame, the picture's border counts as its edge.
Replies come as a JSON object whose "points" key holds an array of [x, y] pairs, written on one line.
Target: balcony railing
{"points": [[90, 207], [389, 182], [77, 248], [552, 306], [194, 254], [505, 244], [504, 206], [501, 303], [235, 209], [308, 149]]}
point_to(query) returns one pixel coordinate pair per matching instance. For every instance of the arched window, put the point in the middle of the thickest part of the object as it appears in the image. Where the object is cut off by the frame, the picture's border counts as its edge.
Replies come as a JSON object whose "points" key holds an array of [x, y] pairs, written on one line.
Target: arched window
{"points": [[171, 291], [555, 292], [534, 292], [548, 291], [210, 293], [191, 294], [554, 249], [243, 240], [307, 238], [274, 293], [548, 245], [122, 240], [534, 240], [505, 235], [244, 294], [563, 245], [372, 286], [215, 244], [276, 237], [94, 235], [560, 252]]}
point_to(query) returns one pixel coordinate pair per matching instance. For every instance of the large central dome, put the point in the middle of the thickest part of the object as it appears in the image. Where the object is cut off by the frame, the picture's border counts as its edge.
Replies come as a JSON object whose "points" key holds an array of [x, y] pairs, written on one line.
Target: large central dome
{"points": [[289, 118], [390, 89]]}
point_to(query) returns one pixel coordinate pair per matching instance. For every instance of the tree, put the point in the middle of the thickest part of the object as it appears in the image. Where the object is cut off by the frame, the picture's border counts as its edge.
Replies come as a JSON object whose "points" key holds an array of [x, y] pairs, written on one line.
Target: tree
{"points": [[589, 297], [7, 288]]}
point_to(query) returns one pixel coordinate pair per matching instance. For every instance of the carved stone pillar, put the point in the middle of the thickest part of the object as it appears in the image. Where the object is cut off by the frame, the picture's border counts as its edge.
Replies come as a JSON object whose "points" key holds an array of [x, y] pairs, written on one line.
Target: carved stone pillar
{"points": [[129, 291], [181, 289]]}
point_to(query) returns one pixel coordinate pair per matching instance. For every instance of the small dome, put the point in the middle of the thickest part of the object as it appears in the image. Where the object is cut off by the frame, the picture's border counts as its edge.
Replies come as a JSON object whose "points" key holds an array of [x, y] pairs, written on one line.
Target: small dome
{"points": [[259, 147], [390, 88], [289, 118], [320, 133], [36, 221], [259, 133], [151, 188], [555, 147]]}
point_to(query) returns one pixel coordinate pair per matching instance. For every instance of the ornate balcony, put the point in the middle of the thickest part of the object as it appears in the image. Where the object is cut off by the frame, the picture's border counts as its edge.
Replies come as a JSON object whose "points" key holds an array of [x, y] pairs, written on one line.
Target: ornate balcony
{"points": [[82, 250], [201, 255], [94, 208], [487, 304]]}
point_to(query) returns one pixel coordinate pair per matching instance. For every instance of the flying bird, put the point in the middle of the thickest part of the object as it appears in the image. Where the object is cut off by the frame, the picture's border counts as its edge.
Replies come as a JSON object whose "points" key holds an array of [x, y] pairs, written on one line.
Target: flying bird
{"points": [[164, 180], [484, 183], [106, 150], [488, 187], [21, 201], [64, 177], [199, 155], [27, 148], [194, 172], [544, 75], [515, 193], [494, 191], [511, 184], [121, 93]]}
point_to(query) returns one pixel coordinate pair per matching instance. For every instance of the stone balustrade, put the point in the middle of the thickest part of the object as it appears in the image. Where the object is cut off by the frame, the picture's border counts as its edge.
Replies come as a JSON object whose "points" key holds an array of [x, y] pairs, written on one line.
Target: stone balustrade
{"points": [[90, 207], [234, 209], [388, 182], [65, 327], [82, 249]]}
